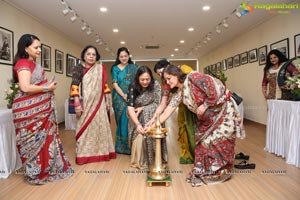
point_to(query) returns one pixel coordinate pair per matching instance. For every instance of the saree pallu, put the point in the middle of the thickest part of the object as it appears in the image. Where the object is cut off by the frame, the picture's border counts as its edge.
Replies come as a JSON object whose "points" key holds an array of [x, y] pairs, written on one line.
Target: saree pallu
{"points": [[37, 137], [143, 147], [123, 78], [93, 134]]}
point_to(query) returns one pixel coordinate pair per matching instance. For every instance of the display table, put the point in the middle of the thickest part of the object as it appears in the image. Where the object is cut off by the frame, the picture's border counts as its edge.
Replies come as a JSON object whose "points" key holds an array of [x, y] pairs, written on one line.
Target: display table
{"points": [[70, 119], [9, 156], [283, 130]]}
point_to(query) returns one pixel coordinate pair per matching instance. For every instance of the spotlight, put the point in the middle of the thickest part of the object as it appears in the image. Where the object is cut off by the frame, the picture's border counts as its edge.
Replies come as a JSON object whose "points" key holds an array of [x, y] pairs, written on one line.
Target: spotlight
{"points": [[84, 26], [74, 17], [89, 31], [100, 43], [218, 30], [107, 49], [208, 38], [66, 10], [204, 41], [225, 24]]}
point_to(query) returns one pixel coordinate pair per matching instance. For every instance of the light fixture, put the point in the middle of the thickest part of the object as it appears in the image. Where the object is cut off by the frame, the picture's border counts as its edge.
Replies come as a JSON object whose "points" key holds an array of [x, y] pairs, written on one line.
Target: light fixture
{"points": [[191, 29], [84, 26], [205, 41], [107, 49], [63, 2], [74, 17], [66, 10], [115, 30], [218, 30], [103, 9], [122, 42], [181, 41], [98, 40], [225, 24], [206, 8], [208, 38], [176, 49], [89, 31], [172, 55]]}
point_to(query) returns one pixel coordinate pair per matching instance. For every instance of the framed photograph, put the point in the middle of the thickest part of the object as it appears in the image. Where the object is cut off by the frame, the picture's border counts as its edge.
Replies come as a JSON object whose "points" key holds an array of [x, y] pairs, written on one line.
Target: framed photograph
{"points": [[59, 61], [262, 55], [236, 60], [229, 63], [46, 58], [297, 45], [71, 63], [218, 66], [252, 55], [244, 58], [6, 46], [282, 46], [224, 65]]}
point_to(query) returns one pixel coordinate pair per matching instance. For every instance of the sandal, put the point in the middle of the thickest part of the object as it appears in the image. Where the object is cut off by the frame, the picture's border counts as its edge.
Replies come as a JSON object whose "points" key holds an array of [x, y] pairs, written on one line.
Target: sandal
{"points": [[241, 156], [245, 165]]}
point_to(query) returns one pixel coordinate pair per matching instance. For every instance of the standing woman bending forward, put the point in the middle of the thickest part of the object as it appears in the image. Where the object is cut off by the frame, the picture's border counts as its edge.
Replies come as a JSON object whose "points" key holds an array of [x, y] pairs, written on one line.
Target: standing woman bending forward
{"points": [[216, 127], [93, 134]]}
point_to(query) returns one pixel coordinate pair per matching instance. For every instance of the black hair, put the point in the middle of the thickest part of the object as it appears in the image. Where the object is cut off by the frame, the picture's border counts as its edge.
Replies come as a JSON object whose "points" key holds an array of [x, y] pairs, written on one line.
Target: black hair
{"points": [[121, 49], [281, 59], [86, 48], [25, 41], [161, 64], [175, 71], [135, 84]]}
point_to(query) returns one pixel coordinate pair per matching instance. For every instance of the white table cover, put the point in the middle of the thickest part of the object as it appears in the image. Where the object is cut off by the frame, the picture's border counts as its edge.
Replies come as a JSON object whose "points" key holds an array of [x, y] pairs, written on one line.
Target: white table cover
{"points": [[9, 156], [283, 130]]}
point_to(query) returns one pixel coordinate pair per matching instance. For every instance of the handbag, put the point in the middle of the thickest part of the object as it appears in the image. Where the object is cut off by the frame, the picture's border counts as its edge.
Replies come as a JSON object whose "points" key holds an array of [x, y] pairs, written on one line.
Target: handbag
{"points": [[238, 100], [71, 103]]}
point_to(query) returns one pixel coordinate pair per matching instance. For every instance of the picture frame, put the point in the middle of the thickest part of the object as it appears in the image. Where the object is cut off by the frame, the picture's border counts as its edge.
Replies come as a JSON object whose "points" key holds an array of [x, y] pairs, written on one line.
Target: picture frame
{"points": [[236, 61], [282, 46], [6, 46], [46, 57], [252, 55], [229, 63], [262, 55], [297, 45], [224, 65], [218, 66], [71, 63], [59, 61], [244, 58]]}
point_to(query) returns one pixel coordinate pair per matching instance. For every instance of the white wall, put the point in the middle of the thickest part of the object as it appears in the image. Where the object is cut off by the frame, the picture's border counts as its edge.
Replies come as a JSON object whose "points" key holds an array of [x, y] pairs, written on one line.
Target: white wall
{"points": [[21, 23], [246, 79]]}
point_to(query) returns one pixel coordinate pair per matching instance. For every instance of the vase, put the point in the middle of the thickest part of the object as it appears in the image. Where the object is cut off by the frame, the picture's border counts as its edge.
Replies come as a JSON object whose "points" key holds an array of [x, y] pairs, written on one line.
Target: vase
{"points": [[9, 106]]}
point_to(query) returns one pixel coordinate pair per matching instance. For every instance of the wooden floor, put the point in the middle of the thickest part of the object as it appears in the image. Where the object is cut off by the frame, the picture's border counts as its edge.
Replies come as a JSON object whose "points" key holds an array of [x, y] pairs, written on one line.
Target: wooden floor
{"points": [[116, 180]]}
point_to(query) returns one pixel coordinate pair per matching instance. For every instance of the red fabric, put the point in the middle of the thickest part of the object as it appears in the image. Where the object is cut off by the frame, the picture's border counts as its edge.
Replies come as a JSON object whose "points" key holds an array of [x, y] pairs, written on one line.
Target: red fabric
{"points": [[90, 159]]}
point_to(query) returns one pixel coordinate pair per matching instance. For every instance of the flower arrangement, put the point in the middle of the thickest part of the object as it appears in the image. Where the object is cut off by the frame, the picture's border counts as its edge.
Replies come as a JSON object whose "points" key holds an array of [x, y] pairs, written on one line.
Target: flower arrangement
{"points": [[222, 77], [11, 92], [293, 84]]}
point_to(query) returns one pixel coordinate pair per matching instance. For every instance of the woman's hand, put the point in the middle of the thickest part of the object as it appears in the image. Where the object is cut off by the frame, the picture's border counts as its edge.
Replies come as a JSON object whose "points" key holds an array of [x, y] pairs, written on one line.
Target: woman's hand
{"points": [[150, 123], [78, 110], [52, 86], [138, 111], [124, 97], [201, 110], [140, 129]]}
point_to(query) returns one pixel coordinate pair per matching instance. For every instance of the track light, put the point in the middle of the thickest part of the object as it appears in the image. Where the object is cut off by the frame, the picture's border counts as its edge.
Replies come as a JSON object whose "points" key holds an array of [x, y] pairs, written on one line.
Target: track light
{"points": [[225, 24], [107, 49], [208, 38], [74, 17], [84, 26], [218, 30], [66, 10], [89, 31]]}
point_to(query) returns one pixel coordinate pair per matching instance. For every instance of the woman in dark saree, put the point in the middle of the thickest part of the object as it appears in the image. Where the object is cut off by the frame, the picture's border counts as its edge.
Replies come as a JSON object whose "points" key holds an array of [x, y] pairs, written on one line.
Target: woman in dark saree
{"points": [[144, 94]]}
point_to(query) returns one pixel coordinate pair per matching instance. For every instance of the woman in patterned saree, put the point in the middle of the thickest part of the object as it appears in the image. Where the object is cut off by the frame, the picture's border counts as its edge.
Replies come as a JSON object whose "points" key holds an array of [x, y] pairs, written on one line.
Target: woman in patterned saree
{"points": [[144, 95], [37, 138], [93, 134], [123, 71], [217, 125]]}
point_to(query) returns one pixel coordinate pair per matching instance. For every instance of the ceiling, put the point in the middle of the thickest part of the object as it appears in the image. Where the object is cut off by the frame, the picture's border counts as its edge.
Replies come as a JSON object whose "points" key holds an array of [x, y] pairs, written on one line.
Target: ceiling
{"points": [[147, 22]]}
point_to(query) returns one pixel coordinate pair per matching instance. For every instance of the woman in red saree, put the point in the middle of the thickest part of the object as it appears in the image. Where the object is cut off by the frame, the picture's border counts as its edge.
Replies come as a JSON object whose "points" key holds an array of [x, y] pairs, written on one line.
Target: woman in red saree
{"points": [[93, 134], [34, 112], [216, 128]]}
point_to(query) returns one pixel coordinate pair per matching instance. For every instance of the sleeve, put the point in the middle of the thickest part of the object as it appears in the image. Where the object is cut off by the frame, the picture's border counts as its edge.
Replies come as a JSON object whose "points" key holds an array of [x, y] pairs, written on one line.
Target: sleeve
{"points": [[264, 80], [76, 80], [175, 100], [114, 74], [157, 92], [165, 89], [206, 85], [130, 96], [22, 64], [291, 69]]}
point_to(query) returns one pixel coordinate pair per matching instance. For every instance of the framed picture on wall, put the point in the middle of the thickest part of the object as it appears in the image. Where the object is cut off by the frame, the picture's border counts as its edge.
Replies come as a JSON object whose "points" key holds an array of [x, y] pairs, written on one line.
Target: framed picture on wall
{"points": [[59, 61], [236, 60], [229, 63], [6, 46], [71, 63], [282, 46], [262, 55], [218, 66], [224, 65], [46, 57], [252, 55], [297, 44], [244, 58]]}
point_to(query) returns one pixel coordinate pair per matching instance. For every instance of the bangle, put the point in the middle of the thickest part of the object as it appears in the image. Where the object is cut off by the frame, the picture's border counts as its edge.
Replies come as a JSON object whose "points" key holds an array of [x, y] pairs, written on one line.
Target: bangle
{"points": [[77, 104], [45, 88], [138, 124]]}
